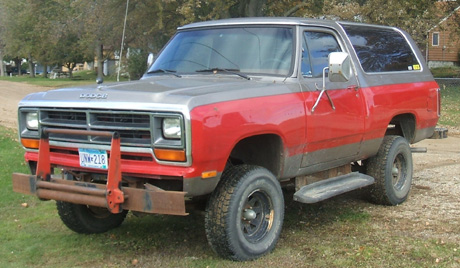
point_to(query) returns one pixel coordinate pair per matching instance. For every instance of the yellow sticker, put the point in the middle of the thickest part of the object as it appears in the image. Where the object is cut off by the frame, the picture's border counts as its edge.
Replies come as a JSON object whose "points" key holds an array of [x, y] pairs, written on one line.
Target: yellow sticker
{"points": [[416, 67]]}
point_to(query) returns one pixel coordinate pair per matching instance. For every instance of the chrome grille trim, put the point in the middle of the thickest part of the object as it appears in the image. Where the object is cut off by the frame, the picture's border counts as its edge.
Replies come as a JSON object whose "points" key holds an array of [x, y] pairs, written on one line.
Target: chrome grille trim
{"points": [[135, 128]]}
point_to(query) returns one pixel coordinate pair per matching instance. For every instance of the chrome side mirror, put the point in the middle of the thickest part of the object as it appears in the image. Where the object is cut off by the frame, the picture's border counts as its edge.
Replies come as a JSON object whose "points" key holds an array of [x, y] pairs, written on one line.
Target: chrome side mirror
{"points": [[339, 67]]}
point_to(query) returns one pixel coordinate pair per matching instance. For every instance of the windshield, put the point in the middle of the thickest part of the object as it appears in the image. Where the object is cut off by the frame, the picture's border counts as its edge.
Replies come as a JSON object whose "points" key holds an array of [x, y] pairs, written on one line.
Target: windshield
{"points": [[254, 50]]}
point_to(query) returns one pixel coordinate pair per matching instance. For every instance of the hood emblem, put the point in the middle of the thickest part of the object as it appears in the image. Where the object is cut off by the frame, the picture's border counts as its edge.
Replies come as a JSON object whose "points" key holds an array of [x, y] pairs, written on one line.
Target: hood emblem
{"points": [[93, 96]]}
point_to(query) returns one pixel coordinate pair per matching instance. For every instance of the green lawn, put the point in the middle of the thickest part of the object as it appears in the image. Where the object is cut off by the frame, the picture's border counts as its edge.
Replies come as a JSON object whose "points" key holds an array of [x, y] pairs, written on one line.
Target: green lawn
{"points": [[450, 112], [447, 72], [79, 78]]}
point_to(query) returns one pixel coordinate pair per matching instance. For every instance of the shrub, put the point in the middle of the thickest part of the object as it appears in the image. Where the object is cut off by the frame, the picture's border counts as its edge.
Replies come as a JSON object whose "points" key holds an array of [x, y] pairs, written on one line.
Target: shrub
{"points": [[137, 63]]}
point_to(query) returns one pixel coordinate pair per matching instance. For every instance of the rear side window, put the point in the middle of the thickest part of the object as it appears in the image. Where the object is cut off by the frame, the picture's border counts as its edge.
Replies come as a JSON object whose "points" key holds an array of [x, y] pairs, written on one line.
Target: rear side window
{"points": [[381, 50]]}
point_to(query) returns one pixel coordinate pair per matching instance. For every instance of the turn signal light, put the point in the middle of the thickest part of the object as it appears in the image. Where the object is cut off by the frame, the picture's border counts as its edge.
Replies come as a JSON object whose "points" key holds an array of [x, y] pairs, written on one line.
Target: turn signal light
{"points": [[170, 155], [30, 143], [209, 174]]}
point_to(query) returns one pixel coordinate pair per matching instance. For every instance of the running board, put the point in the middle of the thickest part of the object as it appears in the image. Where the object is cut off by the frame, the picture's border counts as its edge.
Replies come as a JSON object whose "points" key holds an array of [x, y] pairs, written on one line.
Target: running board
{"points": [[322, 190]]}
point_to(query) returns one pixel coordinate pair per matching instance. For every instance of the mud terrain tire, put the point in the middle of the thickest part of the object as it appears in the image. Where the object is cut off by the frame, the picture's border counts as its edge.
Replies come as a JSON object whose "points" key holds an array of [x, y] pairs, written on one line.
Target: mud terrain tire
{"points": [[88, 220], [85, 219], [392, 169], [244, 214]]}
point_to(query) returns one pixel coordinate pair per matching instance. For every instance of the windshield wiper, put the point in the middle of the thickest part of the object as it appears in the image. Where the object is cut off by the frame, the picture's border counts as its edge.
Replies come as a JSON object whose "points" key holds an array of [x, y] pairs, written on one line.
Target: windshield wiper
{"points": [[164, 71], [230, 71]]}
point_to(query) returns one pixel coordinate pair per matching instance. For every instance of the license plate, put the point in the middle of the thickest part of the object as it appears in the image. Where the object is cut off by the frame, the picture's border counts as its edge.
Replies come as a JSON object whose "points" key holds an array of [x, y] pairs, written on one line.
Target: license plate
{"points": [[93, 158]]}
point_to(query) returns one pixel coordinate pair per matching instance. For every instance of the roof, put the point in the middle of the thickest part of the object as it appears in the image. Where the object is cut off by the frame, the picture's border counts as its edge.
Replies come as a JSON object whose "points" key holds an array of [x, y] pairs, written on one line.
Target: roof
{"points": [[273, 21], [260, 21], [445, 18]]}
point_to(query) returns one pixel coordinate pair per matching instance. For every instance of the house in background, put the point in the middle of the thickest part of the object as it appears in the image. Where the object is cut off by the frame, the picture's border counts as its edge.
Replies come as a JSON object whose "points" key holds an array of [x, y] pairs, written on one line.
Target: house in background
{"points": [[443, 46]]}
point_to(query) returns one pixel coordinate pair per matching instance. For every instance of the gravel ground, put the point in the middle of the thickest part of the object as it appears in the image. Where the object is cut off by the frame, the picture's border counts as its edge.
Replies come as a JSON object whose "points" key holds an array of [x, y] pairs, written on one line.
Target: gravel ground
{"points": [[432, 210]]}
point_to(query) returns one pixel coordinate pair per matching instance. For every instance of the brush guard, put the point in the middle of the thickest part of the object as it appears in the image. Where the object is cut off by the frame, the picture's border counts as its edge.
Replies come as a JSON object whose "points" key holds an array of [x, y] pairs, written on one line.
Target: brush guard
{"points": [[112, 196]]}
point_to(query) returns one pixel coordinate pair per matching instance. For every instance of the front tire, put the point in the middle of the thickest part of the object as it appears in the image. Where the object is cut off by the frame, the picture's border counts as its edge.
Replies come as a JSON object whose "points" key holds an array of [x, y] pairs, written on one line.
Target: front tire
{"points": [[244, 215], [392, 169], [85, 219]]}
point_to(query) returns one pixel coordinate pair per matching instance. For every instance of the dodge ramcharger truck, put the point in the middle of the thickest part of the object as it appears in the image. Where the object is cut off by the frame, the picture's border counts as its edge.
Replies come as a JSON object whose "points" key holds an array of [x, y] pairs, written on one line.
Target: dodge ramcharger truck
{"points": [[228, 113]]}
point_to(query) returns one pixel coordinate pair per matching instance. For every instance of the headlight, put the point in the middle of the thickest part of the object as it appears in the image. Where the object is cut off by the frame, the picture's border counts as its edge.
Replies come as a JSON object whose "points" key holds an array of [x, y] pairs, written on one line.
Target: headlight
{"points": [[32, 121], [172, 128]]}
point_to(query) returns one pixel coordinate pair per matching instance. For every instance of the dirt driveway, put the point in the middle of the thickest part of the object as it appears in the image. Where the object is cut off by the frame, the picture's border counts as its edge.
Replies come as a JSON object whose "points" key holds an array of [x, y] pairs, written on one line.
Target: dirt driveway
{"points": [[10, 95], [431, 212]]}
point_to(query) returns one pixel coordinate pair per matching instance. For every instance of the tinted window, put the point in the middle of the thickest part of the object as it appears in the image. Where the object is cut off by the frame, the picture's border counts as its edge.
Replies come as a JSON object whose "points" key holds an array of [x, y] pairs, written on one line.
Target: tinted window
{"points": [[381, 50], [316, 49]]}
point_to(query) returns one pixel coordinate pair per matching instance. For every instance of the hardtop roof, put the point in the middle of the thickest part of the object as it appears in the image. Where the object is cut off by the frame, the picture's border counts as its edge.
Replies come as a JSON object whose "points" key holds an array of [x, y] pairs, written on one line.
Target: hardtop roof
{"points": [[259, 21], [293, 21]]}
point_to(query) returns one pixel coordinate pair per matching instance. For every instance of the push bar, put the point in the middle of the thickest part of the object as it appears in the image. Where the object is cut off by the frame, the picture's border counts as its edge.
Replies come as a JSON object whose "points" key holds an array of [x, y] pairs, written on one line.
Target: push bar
{"points": [[113, 196]]}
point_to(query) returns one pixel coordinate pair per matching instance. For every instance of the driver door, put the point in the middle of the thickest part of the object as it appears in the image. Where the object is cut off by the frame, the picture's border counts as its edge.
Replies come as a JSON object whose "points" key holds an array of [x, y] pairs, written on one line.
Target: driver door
{"points": [[334, 129]]}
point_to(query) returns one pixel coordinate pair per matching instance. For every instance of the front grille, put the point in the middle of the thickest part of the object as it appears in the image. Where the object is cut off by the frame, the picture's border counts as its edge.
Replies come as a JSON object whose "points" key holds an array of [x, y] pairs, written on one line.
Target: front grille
{"points": [[134, 127]]}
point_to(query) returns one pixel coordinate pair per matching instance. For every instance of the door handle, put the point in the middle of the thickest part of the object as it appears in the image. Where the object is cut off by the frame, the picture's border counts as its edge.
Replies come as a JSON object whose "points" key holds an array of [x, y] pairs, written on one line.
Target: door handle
{"points": [[355, 87]]}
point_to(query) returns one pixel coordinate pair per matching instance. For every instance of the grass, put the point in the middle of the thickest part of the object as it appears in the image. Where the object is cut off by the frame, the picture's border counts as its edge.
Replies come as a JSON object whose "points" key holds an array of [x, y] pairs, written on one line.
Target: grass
{"points": [[79, 78], [446, 72], [450, 112], [338, 233]]}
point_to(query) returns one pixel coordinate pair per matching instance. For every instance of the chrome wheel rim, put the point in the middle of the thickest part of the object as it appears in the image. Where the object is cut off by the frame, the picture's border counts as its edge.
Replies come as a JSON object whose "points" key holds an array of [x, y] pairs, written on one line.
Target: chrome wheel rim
{"points": [[399, 172], [257, 216]]}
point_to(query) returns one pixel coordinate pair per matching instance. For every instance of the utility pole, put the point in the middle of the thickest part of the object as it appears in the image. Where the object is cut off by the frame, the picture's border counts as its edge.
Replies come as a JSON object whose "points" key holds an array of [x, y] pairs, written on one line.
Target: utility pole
{"points": [[122, 41]]}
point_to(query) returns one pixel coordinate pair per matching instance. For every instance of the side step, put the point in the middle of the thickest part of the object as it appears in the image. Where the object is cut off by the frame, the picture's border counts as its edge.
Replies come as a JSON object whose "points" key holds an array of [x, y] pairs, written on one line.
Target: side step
{"points": [[328, 188]]}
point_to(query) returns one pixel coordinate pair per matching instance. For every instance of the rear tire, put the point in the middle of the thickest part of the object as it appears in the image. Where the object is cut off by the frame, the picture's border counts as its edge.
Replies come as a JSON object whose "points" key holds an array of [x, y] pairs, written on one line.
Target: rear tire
{"points": [[244, 215], [392, 170]]}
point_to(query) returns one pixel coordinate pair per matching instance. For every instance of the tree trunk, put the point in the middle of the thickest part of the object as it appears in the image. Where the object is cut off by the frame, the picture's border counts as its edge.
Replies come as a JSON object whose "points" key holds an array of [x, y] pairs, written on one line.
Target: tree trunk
{"points": [[2, 70], [31, 67], [45, 71], [18, 62], [100, 62], [295, 9], [256, 8], [70, 67]]}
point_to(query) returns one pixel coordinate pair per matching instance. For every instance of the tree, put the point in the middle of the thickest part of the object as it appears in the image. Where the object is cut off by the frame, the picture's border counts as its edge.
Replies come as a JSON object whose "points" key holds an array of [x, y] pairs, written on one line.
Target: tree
{"points": [[48, 15], [26, 32], [68, 32], [15, 25], [414, 16], [452, 8], [102, 22], [2, 44]]}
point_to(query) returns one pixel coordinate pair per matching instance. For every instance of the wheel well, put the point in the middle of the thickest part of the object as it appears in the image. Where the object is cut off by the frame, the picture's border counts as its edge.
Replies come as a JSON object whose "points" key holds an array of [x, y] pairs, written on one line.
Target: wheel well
{"points": [[402, 125], [262, 150]]}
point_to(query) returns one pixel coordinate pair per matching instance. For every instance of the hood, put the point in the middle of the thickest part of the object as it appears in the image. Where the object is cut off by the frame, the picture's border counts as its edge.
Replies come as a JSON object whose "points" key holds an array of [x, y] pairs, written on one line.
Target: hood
{"points": [[153, 93]]}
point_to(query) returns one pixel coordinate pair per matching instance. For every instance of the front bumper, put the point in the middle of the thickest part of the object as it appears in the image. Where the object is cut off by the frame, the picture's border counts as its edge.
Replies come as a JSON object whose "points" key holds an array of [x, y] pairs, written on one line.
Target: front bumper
{"points": [[150, 200], [112, 196]]}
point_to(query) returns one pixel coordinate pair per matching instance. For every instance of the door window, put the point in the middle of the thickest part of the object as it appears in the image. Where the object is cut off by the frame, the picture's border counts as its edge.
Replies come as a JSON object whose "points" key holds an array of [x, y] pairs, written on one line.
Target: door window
{"points": [[315, 51]]}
